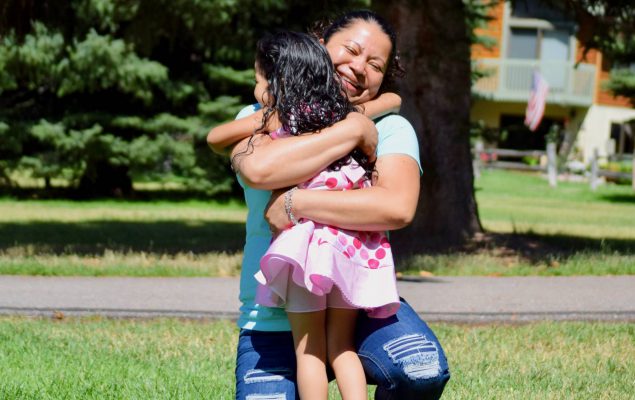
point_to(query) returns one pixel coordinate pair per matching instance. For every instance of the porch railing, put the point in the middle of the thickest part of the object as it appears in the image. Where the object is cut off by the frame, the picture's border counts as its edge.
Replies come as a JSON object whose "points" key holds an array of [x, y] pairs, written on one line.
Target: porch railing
{"points": [[510, 80]]}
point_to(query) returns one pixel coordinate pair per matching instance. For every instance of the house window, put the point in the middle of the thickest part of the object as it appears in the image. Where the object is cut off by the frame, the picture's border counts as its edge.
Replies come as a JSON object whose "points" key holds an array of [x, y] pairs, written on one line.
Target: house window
{"points": [[523, 43], [539, 44], [549, 46], [537, 9], [623, 137]]}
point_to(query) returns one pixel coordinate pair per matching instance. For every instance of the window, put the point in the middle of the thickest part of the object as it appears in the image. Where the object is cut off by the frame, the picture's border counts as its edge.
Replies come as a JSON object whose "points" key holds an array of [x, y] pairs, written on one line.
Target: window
{"points": [[539, 44], [537, 9], [623, 137], [523, 43]]}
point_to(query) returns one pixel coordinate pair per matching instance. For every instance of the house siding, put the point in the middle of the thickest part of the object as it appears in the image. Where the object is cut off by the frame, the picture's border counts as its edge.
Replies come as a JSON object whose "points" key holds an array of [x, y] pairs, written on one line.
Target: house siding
{"points": [[494, 29]]}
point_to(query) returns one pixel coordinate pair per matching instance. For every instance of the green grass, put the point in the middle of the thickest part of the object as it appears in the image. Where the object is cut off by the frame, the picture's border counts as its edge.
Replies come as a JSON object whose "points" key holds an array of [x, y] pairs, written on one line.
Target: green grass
{"points": [[490, 263], [533, 230], [538, 230], [106, 238], [96, 358], [139, 264], [516, 202]]}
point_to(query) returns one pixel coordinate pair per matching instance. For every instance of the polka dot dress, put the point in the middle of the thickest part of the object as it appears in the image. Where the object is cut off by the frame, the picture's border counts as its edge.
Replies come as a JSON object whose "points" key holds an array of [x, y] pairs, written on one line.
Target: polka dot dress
{"points": [[316, 257]]}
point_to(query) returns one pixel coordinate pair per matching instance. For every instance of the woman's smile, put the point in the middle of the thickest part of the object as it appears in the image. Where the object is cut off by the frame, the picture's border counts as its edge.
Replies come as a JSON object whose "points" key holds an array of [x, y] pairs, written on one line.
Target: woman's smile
{"points": [[350, 86], [360, 54]]}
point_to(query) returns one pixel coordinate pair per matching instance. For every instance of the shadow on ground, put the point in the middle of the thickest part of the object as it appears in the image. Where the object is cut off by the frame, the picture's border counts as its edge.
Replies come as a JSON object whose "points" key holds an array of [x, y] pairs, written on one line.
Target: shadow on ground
{"points": [[620, 198], [541, 248], [538, 248], [534, 249], [167, 195], [94, 237]]}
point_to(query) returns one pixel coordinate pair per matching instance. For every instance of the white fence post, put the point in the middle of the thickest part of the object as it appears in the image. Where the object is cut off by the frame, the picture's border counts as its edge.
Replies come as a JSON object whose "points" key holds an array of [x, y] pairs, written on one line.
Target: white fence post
{"points": [[476, 164], [552, 164], [594, 170]]}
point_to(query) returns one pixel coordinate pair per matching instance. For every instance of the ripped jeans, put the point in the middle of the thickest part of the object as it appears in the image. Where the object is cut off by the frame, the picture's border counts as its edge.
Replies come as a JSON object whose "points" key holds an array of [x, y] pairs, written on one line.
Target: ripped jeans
{"points": [[400, 354]]}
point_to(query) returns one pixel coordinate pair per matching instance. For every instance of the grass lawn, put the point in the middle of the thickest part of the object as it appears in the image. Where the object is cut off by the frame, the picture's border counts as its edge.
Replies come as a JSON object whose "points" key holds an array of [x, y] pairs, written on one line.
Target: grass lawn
{"points": [[98, 238], [538, 230], [533, 230], [518, 202], [92, 358]]}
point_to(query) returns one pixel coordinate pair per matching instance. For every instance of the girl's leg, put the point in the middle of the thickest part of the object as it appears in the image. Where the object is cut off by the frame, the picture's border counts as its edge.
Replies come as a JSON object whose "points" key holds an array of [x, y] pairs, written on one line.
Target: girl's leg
{"points": [[310, 351], [340, 333]]}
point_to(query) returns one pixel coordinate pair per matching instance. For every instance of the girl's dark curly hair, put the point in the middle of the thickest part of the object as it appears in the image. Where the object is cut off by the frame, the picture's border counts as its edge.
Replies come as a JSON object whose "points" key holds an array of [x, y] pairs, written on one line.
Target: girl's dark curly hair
{"points": [[303, 88]]}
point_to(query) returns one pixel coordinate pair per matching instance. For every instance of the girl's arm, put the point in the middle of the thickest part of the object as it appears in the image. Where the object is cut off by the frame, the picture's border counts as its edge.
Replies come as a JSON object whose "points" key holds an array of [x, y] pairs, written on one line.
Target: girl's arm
{"points": [[228, 134], [223, 136], [389, 204], [271, 164], [385, 103]]}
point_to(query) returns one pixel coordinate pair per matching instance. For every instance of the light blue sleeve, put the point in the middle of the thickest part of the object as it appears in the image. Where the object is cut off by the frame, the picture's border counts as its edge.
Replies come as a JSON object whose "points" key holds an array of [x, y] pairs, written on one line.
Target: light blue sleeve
{"points": [[248, 110], [397, 136]]}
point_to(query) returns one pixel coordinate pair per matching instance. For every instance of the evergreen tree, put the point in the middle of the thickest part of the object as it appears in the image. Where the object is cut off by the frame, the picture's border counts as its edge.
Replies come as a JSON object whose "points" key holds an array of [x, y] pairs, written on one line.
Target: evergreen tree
{"points": [[101, 92]]}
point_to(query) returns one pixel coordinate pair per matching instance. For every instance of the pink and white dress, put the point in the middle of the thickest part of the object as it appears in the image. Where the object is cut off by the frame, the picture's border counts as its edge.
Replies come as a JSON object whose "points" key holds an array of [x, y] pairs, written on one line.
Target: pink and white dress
{"points": [[316, 257]]}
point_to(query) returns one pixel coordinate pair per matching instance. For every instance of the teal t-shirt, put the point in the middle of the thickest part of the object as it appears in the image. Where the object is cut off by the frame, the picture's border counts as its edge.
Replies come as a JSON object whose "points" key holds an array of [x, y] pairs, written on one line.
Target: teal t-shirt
{"points": [[396, 136]]}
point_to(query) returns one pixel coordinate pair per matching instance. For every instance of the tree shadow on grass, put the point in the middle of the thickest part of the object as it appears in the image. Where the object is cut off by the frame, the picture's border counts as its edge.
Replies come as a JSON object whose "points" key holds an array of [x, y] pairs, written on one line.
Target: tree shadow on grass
{"points": [[540, 249], [620, 198], [534, 249], [140, 195], [94, 237]]}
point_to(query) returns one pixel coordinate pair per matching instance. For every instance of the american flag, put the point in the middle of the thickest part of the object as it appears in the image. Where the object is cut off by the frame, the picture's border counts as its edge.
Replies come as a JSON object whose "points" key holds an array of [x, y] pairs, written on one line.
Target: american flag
{"points": [[537, 100]]}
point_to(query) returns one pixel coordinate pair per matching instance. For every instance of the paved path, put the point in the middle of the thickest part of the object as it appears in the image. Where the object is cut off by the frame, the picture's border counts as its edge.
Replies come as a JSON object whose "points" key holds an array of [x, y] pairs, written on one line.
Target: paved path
{"points": [[457, 299]]}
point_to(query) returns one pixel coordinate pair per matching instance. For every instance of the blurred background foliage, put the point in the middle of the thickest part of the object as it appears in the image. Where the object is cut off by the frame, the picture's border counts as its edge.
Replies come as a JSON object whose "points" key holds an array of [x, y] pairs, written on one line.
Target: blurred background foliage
{"points": [[101, 93], [98, 94]]}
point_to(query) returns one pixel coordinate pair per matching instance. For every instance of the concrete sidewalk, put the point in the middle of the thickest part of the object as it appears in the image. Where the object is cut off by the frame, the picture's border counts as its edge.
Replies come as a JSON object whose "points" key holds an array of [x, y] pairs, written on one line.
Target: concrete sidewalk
{"points": [[456, 299]]}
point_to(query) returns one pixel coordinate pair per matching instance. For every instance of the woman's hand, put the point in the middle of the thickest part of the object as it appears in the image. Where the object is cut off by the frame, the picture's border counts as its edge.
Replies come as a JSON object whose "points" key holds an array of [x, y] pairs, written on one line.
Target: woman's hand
{"points": [[275, 214]]}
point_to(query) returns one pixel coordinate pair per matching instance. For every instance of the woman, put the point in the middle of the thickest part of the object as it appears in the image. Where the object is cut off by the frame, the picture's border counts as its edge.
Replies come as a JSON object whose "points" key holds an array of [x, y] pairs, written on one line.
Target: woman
{"points": [[400, 354]]}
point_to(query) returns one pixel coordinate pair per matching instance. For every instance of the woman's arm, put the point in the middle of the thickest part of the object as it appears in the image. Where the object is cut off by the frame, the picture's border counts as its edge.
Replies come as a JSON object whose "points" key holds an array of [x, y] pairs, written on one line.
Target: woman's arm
{"points": [[272, 164], [385, 103], [389, 204]]}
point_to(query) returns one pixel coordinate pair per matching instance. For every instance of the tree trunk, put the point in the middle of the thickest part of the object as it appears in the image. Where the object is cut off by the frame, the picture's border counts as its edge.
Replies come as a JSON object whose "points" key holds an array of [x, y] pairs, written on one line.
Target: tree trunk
{"points": [[435, 51]]}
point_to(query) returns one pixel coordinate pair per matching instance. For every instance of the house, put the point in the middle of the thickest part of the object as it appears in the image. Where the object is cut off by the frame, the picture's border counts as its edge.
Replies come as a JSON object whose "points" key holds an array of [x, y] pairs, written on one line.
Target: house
{"points": [[531, 36]]}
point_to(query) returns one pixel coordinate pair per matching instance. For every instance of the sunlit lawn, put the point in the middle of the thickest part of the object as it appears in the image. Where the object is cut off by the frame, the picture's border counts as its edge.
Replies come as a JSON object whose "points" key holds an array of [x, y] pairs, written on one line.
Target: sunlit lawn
{"points": [[537, 230], [96, 358], [517, 202], [121, 238]]}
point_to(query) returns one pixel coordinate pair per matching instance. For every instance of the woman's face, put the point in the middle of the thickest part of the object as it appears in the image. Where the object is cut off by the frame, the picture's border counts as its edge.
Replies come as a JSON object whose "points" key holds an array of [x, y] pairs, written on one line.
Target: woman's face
{"points": [[260, 90], [360, 54]]}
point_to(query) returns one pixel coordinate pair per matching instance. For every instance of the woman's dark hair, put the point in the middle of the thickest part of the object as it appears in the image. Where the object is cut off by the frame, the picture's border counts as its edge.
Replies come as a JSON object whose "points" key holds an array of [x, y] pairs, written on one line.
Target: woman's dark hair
{"points": [[303, 88], [326, 29]]}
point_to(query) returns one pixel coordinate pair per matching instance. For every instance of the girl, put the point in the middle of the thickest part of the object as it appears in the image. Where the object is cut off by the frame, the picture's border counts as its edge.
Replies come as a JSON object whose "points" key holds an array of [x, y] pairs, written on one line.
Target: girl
{"points": [[321, 275]]}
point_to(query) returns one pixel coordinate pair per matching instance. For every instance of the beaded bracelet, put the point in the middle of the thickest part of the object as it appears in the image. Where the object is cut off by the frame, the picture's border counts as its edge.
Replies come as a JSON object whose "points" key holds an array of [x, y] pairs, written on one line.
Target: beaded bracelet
{"points": [[288, 205]]}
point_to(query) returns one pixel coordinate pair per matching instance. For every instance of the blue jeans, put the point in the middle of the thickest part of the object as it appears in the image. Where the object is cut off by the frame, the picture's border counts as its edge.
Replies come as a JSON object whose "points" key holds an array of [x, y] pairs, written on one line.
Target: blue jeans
{"points": [[400, 354]]}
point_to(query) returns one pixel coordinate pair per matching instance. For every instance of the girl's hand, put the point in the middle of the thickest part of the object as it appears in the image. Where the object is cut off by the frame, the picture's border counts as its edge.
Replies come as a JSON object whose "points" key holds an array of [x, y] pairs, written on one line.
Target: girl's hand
{"points": [[275, 213], [383, 104], [367, 140]]}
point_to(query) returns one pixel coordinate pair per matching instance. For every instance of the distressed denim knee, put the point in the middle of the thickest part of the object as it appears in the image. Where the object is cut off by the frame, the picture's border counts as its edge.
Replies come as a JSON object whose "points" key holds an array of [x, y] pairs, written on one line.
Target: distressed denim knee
{"points": [[402, 356], [417, 362]]}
